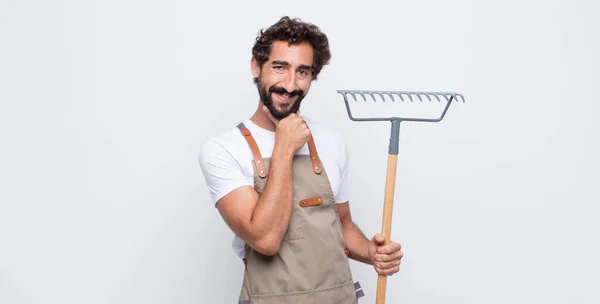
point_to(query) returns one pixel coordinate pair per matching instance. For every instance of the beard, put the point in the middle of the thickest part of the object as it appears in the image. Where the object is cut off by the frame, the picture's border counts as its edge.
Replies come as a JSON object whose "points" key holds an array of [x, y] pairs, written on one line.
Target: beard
{"points": [[267, 100]]}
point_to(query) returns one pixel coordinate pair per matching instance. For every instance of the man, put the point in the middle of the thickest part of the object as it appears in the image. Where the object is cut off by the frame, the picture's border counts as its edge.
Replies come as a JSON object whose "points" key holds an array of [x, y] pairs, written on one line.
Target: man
{"points": [[286, 201]]}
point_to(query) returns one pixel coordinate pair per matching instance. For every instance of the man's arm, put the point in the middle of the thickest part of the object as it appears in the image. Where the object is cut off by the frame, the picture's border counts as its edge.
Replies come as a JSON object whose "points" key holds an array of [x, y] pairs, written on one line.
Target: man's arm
{"points": [[262, 221], [356, 242], [384, 258]]}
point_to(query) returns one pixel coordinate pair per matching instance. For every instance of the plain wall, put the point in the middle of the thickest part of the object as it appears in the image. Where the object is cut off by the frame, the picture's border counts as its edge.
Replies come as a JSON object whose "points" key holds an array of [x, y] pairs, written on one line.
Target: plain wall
{"points": [[104, 106]]}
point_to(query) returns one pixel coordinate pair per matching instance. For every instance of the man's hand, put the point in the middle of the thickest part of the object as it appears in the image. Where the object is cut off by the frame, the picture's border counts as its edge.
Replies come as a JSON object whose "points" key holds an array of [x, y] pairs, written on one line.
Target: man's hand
{"points": [[385, 258], [291, 132]]}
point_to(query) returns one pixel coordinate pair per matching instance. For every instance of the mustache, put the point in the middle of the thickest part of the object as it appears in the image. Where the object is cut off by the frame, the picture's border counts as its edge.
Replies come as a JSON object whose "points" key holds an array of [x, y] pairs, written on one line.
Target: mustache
{"points": [[281, 90]]}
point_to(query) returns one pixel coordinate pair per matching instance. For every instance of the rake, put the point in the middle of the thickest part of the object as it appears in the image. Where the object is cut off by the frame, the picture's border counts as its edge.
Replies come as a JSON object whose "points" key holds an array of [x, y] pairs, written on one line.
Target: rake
{"points": [[390, 180]]}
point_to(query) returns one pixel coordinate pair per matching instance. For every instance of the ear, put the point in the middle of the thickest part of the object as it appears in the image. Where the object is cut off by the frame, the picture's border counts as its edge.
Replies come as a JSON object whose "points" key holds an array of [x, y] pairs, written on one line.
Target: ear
{"points": [[255, 67]]}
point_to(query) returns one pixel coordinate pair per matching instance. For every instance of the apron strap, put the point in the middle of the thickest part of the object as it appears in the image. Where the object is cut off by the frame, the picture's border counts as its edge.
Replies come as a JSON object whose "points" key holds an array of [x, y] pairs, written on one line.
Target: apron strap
{"points": [[258, 160], [314, 156]]}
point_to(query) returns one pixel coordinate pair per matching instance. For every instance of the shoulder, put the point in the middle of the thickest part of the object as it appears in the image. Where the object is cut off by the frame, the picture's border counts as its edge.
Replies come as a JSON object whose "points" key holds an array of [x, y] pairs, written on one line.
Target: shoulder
{"points": [[226, 144], [325, 133], [225, 161]]}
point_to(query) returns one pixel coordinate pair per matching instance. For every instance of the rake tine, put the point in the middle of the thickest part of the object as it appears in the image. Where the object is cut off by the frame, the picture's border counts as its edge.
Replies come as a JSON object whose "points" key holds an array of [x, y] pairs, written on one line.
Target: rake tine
{"points": [[400, 95], [436, 97], [446, 97], [353, 95], [427, 95], [362, 94], [371, 94], [381, 95], [419, 96], [390, 95], [409, 97]]}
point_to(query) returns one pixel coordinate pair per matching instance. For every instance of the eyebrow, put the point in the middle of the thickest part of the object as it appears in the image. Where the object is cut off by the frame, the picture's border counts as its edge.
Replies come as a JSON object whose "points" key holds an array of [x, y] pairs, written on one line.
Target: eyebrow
{"points": [[280, 62], [285, 63]]}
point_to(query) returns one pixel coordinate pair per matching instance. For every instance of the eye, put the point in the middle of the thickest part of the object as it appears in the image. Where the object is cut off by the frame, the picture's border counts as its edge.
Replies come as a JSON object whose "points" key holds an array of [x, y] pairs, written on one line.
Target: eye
{"points": [[278, 67]]}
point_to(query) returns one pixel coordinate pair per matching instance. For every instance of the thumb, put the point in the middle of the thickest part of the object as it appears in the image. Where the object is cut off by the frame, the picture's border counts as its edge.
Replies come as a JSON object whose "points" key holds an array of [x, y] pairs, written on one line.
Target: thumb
{"points": [[268, 113], [378, 240]]}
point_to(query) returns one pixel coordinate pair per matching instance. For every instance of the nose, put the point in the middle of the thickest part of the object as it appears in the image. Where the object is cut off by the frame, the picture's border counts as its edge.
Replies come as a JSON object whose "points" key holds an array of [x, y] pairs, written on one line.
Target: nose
{"points": [[289, 83]]}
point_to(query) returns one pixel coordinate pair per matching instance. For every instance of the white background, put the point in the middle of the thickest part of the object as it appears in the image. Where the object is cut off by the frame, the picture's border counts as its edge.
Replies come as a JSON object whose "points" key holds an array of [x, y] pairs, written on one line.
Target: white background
{"points": [[104, 105]]}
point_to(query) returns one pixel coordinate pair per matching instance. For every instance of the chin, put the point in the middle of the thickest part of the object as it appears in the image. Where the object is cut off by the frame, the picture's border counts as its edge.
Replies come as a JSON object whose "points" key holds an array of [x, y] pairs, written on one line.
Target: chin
{"points": [[285, 108]]}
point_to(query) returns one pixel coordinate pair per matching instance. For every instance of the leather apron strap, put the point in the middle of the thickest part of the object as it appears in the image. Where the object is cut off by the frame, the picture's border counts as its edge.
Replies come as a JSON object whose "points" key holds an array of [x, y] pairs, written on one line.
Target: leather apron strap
{"points": [[259, 162]]}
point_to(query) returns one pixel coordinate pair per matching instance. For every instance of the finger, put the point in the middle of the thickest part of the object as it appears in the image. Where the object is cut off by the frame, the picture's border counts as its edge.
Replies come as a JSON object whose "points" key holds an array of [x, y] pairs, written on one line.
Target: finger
{"points": [[378, 239], [389, 248], [388, 272], [273, 119], [386, 265], [378, 257]]}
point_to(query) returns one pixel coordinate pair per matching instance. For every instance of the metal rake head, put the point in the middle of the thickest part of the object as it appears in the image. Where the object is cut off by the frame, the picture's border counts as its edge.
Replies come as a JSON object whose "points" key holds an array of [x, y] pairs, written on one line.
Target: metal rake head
{"points": [[395, 133], [402, 96]]}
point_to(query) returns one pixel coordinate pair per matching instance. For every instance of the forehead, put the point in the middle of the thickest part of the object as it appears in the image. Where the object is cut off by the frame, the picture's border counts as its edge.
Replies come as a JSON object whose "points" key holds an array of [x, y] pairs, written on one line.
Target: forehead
{"points": [[294, 54]]}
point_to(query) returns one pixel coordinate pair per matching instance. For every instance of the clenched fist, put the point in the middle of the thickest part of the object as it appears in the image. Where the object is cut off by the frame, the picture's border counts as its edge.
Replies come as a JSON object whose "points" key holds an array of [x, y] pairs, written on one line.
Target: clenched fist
{"points": [[291, 133], [385, 258]]}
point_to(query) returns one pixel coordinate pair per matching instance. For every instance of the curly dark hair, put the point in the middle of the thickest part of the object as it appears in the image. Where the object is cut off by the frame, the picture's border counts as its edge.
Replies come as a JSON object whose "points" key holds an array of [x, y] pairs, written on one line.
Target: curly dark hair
{"points": [[294, 31]]}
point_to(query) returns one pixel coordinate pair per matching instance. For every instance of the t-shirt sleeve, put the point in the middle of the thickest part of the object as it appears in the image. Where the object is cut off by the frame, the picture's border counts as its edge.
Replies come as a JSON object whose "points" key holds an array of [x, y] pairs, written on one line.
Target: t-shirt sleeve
{"points": [[221, 171], [342, 194]]}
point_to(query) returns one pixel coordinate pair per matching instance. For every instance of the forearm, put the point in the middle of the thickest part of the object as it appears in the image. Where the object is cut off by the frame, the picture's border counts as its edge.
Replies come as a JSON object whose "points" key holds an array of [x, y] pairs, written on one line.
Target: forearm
{"points": [[271, 216], [356, 242]]}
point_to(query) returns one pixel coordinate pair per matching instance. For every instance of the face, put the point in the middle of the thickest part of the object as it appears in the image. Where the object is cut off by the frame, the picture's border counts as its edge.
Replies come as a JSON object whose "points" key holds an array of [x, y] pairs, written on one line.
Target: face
{"points": [[285, 77]]}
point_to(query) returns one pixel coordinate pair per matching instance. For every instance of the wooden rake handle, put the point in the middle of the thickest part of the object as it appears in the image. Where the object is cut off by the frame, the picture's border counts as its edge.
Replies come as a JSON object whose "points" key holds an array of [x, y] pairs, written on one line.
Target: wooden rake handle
{"points": [[386, 226], [388, 203]]}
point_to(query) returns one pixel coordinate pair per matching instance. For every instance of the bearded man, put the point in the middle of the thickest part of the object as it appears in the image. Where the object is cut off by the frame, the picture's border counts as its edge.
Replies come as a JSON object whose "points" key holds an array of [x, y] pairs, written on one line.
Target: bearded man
{"points": [[286, 201]]}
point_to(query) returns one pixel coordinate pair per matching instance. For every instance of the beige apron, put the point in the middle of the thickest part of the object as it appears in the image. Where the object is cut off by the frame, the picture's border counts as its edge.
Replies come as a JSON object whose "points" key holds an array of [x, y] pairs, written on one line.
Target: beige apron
{"points": [[312, 264]]}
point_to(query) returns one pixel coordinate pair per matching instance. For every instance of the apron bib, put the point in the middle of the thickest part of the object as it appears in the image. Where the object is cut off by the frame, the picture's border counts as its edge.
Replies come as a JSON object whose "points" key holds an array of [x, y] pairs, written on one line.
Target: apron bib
{"points": [[311, 265]]}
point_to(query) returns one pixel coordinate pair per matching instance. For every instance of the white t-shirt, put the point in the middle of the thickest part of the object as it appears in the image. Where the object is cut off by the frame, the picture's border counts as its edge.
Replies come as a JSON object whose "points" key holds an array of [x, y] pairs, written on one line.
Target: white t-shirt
{"points": [[226, 161]]}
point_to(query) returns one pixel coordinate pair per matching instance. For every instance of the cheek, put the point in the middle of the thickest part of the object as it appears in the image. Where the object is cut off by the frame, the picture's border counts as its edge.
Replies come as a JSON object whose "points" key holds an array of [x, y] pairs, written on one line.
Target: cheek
{"points": [[271, 79], [305, 87]]}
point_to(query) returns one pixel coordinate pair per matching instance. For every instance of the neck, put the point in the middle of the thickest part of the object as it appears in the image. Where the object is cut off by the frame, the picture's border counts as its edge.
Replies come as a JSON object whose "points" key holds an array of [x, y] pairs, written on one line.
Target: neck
{"points": [[261, 119]]}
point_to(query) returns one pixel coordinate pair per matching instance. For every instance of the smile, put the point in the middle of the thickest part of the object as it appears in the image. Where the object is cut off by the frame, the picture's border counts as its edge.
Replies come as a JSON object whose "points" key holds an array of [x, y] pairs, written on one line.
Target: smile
{"points": [[284, 97]]}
